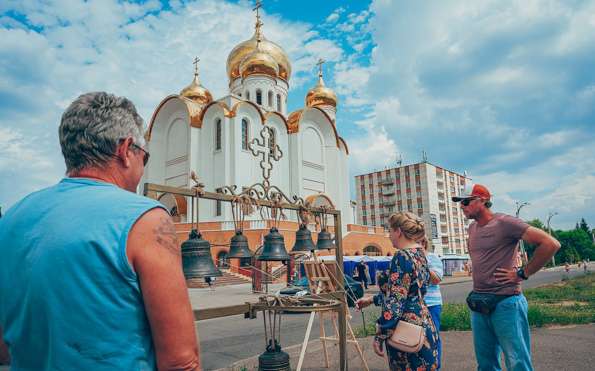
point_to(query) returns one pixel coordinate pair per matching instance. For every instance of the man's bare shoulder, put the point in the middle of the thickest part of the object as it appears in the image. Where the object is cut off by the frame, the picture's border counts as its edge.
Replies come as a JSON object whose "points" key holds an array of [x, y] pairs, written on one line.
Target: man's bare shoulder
{"points": [[153, 230]]}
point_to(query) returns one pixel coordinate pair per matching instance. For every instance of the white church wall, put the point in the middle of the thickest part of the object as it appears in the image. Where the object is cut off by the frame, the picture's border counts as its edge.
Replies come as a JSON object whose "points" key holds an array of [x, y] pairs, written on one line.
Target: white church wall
{"points": [[313, 160], [280, 174], [176, 159]]}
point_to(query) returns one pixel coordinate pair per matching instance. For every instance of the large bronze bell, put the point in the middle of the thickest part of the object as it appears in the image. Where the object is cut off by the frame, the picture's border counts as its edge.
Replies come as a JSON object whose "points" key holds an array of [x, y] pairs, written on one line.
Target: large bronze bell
{"points": [[274, 247], [303, 240], [325, 241], [197, 261], [238, 247]]}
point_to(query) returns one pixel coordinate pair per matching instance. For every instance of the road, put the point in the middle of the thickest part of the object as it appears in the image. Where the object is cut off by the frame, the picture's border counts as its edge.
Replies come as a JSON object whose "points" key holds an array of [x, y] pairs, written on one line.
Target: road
{"points": [[227, 340]]}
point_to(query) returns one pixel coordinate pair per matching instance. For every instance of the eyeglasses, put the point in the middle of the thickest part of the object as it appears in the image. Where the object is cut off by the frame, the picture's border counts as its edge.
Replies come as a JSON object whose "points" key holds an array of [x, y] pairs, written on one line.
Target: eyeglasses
{"points": [[467, 201], [146, 154]]}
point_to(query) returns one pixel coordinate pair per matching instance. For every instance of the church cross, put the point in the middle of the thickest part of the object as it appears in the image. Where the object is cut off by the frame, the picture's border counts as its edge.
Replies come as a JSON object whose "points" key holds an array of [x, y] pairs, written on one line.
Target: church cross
{"points": [[319, 64], [195, 63], [259, 147]]}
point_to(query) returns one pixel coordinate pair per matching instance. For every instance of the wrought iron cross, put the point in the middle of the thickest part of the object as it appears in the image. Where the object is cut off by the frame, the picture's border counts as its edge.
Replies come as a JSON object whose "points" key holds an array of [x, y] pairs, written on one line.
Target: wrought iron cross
{"points": [[260, 147]]}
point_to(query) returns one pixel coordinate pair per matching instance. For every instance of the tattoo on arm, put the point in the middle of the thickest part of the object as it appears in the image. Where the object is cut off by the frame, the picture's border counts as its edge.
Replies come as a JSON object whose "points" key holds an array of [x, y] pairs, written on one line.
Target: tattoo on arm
{"points": [[165, 234]]}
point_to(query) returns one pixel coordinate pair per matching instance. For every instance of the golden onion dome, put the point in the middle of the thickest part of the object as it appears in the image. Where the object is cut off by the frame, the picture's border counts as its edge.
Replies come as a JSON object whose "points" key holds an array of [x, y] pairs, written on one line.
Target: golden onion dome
{"points": [[195, 91], [258, 62], [320, 95], [243, 49]]}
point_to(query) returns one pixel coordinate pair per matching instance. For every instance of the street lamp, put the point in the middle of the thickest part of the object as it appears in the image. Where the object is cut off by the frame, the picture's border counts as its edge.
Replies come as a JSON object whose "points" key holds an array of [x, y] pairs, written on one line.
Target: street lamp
{"points": [[519, 206], [549, 230]]}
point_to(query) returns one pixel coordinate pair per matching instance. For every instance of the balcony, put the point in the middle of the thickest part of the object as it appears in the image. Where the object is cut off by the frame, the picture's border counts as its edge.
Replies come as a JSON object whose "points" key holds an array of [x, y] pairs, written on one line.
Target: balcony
{"points": [[388, 202], [386, 181], [388, 191]]}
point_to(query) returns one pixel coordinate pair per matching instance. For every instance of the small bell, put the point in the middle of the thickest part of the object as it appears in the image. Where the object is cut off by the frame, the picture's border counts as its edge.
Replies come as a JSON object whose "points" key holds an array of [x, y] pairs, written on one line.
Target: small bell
{"points": [[303, 240], [238, 247], [274, 247], [197, 261], [325, 241]]}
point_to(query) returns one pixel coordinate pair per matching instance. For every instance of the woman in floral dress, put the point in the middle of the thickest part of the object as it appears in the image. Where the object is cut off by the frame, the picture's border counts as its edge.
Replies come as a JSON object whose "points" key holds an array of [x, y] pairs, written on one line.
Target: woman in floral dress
{"points": [[409, 275]]}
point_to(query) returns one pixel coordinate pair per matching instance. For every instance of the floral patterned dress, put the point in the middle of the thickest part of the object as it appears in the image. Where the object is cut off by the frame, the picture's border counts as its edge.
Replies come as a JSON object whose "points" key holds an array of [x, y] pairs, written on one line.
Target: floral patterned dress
{"points": [[409, 270]]}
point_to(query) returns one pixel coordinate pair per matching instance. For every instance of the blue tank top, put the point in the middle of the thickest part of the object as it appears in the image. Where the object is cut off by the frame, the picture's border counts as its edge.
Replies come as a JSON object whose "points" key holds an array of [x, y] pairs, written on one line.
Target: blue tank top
{"points": [[69, 299]]}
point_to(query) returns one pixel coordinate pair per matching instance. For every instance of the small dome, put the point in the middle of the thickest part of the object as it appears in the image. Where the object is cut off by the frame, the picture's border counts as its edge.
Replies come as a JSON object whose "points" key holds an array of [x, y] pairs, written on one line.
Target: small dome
{"points": [[195, 91], [320, 95], [245, 48], [259, 62]]}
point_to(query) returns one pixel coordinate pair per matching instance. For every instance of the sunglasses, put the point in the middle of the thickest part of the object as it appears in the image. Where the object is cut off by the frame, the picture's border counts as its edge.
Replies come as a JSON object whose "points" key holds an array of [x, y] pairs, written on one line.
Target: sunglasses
{"points": [[146, 154], [467, 201]]}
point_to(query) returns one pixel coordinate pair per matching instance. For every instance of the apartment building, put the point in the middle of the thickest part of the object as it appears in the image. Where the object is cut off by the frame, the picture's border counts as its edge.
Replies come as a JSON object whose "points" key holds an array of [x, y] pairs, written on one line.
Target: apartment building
{"points": [[424, 189]]}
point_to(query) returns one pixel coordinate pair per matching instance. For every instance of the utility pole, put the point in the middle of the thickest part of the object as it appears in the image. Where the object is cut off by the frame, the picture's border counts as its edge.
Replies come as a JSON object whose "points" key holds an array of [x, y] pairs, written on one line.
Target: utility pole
{"points": [[519, 206], [549, 230]]}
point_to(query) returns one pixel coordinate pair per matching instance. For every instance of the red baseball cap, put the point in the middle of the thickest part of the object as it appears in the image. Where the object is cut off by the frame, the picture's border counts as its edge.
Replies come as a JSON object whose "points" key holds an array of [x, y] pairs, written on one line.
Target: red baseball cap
{"points": [[474, 191]]}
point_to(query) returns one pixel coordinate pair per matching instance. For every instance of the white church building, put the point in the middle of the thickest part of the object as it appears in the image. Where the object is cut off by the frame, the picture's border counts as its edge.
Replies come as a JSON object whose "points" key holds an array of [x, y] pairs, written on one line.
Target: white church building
{"points": [[192, 131]]}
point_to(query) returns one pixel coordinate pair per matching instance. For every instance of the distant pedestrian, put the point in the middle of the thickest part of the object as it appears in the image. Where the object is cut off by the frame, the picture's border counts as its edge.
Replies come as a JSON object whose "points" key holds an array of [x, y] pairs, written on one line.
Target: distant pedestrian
{"points": [[433, 297], [367, 274], [496, 302], [585, 267]]}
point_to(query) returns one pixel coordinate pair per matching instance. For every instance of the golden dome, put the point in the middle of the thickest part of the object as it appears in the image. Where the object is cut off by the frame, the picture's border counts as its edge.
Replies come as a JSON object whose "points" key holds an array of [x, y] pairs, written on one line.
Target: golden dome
{"points": [[243, 49], [258, 62], [320, 95], [195, 91]]}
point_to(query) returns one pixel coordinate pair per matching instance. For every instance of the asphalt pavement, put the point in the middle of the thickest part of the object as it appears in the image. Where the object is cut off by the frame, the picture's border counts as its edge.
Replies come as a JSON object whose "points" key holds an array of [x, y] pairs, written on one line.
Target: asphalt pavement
{"points": [[227, 340]]}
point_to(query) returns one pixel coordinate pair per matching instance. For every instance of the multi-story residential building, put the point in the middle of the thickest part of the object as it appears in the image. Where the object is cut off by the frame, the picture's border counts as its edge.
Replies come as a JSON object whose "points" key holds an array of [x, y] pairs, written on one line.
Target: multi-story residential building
{"points": [[424, 189]]}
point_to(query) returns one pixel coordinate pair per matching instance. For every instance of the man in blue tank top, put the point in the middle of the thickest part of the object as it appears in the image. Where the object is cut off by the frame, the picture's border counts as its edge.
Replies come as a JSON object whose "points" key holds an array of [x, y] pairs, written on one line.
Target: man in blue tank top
{"points": [[90, 272]]}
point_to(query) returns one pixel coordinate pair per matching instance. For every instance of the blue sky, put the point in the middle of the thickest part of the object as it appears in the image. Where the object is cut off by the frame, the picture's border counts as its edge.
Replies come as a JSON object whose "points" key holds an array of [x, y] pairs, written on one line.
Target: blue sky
{"points": [[504, 90]]}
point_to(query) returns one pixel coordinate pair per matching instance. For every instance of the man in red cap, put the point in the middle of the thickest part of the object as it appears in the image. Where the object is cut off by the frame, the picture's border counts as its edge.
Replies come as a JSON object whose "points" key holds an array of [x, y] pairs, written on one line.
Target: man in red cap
{"points": [[498, 307]]}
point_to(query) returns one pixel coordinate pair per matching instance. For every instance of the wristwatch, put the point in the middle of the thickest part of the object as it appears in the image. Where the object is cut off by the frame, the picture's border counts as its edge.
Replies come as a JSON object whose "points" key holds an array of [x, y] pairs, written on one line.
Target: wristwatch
{"points": [[521, 274]]}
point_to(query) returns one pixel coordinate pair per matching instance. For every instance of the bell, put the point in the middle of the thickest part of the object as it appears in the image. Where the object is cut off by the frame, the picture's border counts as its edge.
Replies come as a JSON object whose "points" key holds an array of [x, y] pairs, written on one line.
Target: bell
{"points": [[274, 247], [274, 359], [197, 261], [303, 240], [325, 241], [238, 247]]}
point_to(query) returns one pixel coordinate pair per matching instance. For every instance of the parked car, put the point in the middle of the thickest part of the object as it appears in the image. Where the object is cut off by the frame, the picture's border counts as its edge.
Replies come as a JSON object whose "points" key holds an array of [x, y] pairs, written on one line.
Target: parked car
{"points": [[355, 289]]}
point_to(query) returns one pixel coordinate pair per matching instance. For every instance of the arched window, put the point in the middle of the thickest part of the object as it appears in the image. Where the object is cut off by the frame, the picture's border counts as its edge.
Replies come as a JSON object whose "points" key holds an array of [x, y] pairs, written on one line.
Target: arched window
{"points": [[218, 134], [259, 97], [371, 250], [278, 102], [245, 134], [272, 140], [270, 100], [247, 95]]}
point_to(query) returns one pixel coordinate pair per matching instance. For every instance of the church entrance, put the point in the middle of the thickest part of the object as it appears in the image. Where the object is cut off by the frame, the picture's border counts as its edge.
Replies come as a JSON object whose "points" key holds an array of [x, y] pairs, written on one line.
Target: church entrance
{"points": [[222, 260], [372, 250]]}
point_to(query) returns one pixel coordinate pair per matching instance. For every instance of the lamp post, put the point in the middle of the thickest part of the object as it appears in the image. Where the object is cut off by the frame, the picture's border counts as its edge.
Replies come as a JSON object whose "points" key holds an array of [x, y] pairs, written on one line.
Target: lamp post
{"points": [[549, 230], [519, 206]]}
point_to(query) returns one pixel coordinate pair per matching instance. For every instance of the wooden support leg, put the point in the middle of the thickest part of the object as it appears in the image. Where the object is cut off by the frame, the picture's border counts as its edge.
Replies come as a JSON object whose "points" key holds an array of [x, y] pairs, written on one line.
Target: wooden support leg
{"points": [[323, 337], [359, 349], [305, 343]]}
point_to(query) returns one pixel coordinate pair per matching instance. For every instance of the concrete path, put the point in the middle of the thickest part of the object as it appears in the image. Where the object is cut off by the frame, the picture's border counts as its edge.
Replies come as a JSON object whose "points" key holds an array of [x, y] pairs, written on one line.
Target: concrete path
{"points": [[566, 348]]}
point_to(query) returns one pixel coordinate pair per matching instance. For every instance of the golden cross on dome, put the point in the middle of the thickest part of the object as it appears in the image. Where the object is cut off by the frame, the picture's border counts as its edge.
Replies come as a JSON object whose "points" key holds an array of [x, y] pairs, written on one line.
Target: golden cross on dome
{"points": [[195, 63], [258, 22], [319, 64]]}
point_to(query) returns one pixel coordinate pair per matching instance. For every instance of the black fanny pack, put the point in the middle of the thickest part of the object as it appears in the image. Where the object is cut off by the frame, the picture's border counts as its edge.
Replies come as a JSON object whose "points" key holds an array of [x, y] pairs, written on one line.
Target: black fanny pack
{"points": [[483, 302]]}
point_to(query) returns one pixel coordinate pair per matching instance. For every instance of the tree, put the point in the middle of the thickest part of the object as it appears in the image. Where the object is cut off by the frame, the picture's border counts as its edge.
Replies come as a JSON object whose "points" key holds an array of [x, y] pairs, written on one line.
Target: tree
{"points": [[576, 245], [584, 226]]}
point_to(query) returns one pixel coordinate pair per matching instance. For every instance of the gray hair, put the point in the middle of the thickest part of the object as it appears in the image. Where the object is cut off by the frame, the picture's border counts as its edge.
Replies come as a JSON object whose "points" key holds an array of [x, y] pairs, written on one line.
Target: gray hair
{"points": [[92, 126]]}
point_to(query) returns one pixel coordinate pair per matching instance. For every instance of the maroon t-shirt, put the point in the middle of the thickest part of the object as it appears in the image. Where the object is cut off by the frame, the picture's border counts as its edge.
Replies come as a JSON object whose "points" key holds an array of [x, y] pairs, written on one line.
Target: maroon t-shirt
{"points": [[494, 246]]}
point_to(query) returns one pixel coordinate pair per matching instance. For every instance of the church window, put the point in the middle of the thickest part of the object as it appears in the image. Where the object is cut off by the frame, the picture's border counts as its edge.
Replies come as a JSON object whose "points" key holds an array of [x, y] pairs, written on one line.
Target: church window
{"points": [[278, 102], [247, 95], [218, 134], [270, 100], [218, 208], [245, 134], [259, 97], [272, 140]]}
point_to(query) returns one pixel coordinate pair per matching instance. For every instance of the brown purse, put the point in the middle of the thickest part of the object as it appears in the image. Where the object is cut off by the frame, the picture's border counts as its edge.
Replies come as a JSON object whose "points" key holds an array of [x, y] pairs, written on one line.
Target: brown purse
{"points": [[408, 337]]}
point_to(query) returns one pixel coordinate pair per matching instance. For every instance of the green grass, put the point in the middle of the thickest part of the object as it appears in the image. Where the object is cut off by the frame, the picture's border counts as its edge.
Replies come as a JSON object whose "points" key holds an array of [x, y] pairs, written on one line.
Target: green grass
{"points": [[568, 302]]}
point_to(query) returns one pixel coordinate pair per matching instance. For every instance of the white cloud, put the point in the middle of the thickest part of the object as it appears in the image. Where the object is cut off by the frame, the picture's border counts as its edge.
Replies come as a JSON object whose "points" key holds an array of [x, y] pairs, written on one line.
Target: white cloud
{"points": [[373, 150]]}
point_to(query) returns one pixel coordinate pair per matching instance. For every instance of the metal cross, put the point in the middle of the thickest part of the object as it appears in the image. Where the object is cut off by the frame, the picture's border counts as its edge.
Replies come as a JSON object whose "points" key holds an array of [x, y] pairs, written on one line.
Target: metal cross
{"points": [[257, 7], [195, 63], [319, 64], [261, 148]]}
